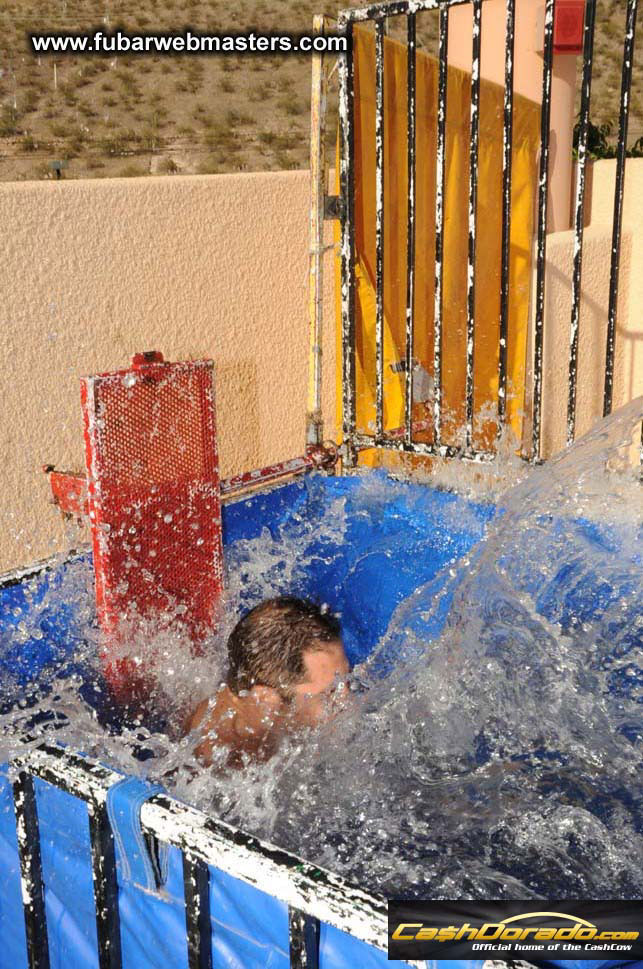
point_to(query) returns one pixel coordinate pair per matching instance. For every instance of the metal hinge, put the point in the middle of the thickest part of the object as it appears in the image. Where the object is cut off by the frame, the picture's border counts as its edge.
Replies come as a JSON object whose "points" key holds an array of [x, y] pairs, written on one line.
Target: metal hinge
{"points": [[332, 206]]}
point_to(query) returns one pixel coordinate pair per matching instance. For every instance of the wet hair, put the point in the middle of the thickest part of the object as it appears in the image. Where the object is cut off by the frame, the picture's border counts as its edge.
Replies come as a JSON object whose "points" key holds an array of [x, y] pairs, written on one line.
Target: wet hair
{"points": [[267, 646]]}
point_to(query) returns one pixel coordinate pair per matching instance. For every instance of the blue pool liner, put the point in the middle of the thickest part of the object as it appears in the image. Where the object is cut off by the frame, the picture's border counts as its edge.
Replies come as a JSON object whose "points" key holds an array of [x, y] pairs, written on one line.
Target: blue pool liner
{"points": [[388, 549]]}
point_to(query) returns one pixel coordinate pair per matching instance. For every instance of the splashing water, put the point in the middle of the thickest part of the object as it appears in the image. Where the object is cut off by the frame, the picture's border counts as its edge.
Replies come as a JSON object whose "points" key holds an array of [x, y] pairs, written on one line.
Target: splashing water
{"points": [[496, 750]]}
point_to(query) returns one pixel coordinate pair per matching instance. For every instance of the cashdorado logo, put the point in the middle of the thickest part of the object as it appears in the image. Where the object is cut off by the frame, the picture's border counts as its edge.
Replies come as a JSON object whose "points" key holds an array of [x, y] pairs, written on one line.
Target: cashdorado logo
{"points": [[419, 930]]}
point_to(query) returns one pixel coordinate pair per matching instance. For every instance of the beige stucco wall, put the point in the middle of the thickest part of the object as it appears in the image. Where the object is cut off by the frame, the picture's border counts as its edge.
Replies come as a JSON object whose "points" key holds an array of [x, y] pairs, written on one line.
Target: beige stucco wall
{"points": [[93, 271], [217, 266]]}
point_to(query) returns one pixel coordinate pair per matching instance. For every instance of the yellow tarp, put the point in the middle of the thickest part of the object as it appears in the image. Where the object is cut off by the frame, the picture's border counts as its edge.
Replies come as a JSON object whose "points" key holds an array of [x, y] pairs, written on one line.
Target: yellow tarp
{"points": [[525, 146]]}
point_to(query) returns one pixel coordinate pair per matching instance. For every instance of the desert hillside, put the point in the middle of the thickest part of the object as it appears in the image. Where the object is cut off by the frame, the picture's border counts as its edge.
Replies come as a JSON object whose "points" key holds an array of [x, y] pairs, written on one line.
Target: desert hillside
{"points": [[133, 116]]}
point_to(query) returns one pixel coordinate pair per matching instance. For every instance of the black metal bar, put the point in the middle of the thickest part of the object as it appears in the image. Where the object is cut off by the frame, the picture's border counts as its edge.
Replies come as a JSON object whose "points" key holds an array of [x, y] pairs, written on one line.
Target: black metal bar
{"points": [[396, 8], [347, 192], [440, 184], [196, 887], [410, 230], [380, 27], [108, 930], [303, 931], [207, 839], [507, 139], [33, 892], [619, 188], [298, 883], [429, 450], [586, 91], [473, 218], [69, 771], [543, 186]]}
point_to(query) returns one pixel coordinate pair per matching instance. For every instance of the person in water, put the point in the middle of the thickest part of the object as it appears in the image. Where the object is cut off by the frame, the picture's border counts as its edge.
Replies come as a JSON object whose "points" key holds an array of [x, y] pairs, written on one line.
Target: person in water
{"points": [[286, 664]]}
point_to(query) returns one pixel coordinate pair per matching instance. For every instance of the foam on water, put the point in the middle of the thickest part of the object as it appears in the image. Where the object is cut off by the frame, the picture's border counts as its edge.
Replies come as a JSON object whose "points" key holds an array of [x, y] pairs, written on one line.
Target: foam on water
{"points": [[496, 750]]}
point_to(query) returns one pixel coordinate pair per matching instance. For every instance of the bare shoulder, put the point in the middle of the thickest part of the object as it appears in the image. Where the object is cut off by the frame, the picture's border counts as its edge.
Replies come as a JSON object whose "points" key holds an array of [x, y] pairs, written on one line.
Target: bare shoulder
{"points": [[193, 720], [212, 724]]}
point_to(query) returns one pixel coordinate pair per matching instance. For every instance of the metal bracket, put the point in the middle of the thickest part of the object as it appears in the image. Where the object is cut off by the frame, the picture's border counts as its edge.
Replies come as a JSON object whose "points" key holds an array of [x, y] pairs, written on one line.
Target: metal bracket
{"points": [[324, 456], [332, 207]]}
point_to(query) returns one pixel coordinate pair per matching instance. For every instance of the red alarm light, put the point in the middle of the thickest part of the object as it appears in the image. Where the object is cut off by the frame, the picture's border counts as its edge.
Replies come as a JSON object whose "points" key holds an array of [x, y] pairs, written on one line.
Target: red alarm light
{"points": [[569, 24]]}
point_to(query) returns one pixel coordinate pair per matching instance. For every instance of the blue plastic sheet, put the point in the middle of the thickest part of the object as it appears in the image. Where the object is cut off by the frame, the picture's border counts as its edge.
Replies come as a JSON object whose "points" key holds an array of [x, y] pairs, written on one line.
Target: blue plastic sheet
{"points": [[124, 803], [67, 876]]}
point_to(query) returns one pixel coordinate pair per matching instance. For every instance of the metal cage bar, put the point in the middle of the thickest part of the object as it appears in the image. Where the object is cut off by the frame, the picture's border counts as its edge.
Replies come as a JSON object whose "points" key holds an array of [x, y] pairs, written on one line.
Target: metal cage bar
{"points": [[33, 891], [312, 894], [319, 86], [105, 884], [304, 940], [543, 186], [378, 13], [473, 220], [196, 882], [410, 230], [354, 441], [395, 8], [347, 188], [380, 27], [507, 144], [619, 188], [303, 886], [579, 219], [428, 450], [440, 183]]}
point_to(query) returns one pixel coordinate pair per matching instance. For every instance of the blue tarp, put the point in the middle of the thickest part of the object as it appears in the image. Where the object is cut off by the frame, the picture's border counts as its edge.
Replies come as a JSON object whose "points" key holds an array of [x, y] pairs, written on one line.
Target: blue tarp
{"points": [[387, 549]]}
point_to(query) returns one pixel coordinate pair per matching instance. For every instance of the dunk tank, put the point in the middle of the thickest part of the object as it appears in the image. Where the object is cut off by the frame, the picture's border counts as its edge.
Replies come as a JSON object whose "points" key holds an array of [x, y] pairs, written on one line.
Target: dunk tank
{"points": [[490, 743]]}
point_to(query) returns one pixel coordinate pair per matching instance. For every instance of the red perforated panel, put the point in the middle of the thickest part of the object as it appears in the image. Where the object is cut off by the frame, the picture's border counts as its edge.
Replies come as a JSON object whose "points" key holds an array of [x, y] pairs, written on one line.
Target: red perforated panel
{"points": [[154, 506]]}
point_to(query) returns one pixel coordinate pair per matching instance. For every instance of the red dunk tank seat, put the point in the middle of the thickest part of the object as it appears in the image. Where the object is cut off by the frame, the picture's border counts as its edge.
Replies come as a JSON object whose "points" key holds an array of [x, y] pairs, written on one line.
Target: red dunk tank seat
{"points": [[153, 501]]}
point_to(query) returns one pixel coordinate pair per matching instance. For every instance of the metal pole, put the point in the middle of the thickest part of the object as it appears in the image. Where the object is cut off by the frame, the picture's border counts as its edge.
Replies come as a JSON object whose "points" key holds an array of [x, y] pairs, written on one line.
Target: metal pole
{"points": [[347, 191], [473, 219], [410, 230], [196, 888], [108, 933], [380, 28], [507, 138], [314, 419], [303, 931], [586, 90], [395, 8], [33, 892], [543, 185], [440, 180]]}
